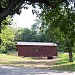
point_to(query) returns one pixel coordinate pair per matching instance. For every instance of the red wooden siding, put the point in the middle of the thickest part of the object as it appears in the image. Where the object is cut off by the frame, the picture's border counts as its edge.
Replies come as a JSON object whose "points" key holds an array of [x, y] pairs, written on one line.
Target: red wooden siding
{"points": [[37, 51]]}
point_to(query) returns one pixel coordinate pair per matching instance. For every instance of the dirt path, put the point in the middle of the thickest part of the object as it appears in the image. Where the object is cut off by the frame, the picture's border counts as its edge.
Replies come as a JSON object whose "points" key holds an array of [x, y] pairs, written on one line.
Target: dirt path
{"points": [[7, 70], [34, 63]]}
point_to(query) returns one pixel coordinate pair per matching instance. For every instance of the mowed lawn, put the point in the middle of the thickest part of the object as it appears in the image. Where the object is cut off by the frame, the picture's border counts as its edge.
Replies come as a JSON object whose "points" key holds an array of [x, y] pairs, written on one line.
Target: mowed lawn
{"points": [[7, 59], [59, 63], [63, 64]]}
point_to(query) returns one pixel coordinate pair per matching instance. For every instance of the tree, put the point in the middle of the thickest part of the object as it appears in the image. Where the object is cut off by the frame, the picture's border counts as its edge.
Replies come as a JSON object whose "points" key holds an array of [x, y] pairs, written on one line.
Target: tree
{"points": [[22, 34], [61, 22], [25, 34], [7, 37]]}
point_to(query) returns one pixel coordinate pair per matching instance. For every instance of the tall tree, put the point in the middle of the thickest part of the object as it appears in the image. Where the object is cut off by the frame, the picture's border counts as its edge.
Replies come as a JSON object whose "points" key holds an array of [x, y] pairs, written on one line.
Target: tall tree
{"points": [[61, 22]]}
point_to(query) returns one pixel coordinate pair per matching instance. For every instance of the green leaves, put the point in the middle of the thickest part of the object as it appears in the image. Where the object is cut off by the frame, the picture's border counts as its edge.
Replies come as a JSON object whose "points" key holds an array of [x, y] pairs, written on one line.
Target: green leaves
{"points": [[7, 36], [59, 24]]}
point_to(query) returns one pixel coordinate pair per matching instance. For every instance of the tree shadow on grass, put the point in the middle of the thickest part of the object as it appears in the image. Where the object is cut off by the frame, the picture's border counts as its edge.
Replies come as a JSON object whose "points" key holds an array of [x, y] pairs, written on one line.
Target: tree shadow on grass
{"points": [[62, 62], [63, 67]]}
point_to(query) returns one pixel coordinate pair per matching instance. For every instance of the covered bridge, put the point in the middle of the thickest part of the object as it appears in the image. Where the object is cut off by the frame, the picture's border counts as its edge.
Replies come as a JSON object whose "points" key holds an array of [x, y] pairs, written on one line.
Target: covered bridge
{"points": [[36, 49]]}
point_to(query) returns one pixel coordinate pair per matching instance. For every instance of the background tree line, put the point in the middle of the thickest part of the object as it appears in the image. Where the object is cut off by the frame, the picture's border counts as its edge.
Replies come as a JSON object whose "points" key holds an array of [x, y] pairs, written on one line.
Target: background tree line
{"points": [[31, 35]]}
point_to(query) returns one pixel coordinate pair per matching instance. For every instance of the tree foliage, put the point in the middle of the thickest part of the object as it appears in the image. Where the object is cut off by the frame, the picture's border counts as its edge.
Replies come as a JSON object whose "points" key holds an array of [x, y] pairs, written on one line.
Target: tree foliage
{"points": [[31, 35], [60, 25], [10, 7], [7, 37]]}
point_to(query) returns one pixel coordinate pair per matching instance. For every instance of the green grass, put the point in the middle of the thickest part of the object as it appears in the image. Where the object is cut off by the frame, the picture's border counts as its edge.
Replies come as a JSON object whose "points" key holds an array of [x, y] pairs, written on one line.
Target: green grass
{"points": [[9, 59], [63, 63]]}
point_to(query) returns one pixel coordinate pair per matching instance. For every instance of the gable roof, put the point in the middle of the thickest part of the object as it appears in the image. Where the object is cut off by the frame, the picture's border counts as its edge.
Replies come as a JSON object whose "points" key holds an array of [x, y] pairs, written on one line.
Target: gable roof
{"points": [[37, 43]]}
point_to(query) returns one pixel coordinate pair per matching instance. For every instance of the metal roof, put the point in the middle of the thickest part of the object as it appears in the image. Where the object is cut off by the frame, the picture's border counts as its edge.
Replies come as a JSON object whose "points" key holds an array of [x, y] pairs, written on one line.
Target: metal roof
{"points": [[37, 43]]}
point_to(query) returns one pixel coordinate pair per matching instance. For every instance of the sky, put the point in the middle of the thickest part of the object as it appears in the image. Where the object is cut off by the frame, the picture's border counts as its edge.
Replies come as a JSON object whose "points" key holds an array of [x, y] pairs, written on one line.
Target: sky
{"points": [[25, 19]]}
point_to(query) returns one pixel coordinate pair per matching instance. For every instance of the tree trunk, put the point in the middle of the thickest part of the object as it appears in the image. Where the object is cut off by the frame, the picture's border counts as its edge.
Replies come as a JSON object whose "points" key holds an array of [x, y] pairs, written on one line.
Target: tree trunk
{"points": [[70, 55], [0, 31]]}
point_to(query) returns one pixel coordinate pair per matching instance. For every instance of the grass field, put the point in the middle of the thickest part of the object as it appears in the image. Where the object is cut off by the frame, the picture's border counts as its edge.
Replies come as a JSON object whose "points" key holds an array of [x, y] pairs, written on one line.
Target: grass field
{"points": [[61, 64]]}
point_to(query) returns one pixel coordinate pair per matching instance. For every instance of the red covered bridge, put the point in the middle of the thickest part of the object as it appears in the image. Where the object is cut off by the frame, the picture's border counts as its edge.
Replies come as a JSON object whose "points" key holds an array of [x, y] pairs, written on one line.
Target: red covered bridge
{"points": [[36, 49]]}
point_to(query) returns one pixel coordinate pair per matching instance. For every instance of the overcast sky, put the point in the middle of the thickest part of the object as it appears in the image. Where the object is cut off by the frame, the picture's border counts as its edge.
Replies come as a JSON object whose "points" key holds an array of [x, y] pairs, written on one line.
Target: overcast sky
{"points": [[25, 19]]}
